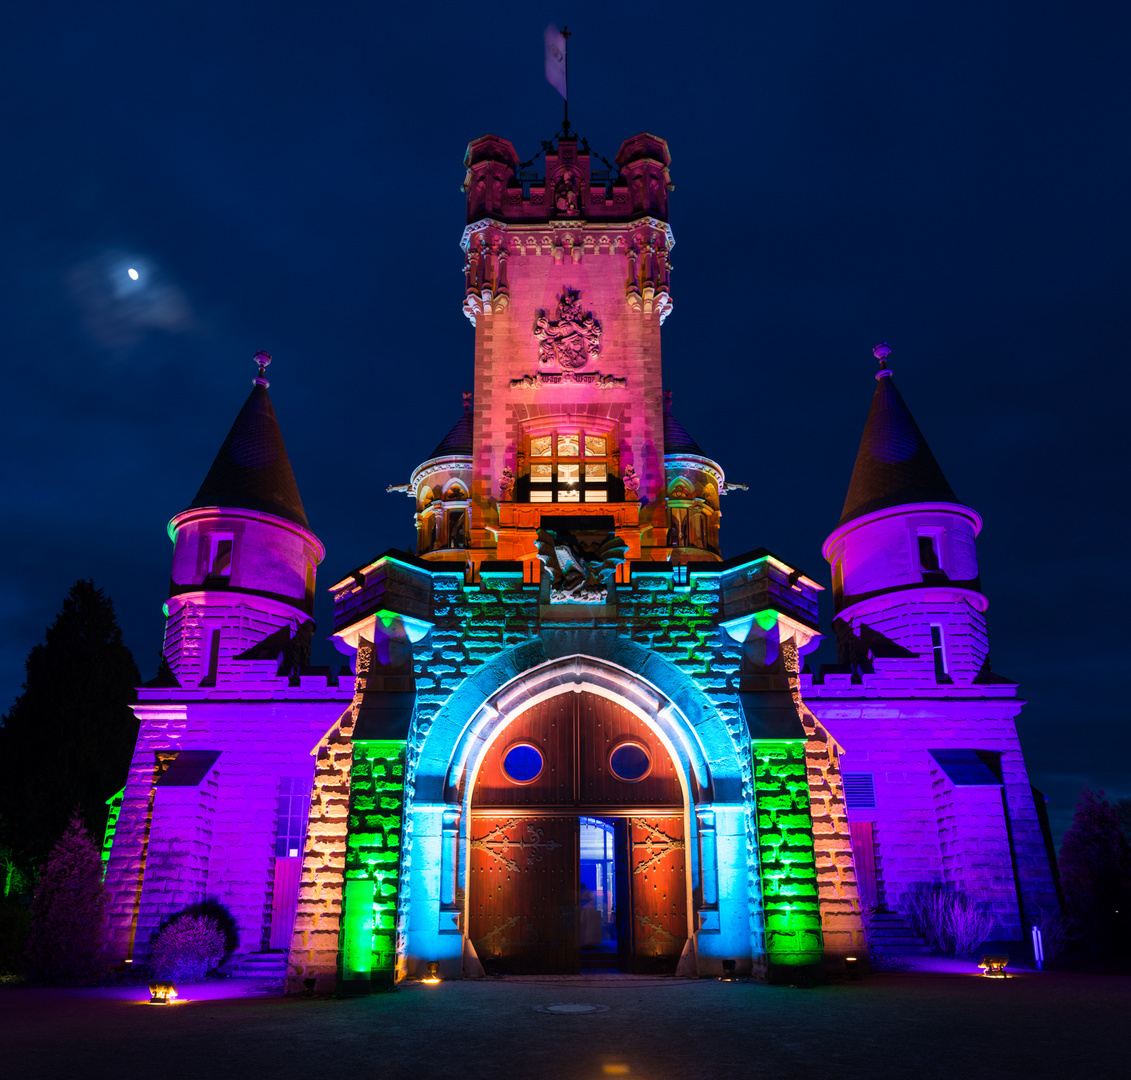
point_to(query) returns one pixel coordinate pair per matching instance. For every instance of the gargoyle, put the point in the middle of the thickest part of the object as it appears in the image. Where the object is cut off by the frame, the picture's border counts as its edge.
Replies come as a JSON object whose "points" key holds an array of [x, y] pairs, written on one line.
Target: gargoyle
{"points": [[579, 573]]}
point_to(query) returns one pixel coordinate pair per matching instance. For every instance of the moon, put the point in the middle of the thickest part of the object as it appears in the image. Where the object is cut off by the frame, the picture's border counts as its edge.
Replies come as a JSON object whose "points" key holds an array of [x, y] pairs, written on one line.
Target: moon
{"points": [[133, 274]]}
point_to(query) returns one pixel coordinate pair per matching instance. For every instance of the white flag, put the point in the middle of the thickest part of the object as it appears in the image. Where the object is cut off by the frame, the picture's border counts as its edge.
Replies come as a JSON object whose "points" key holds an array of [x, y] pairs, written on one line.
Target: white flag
{"points": [[556, 59]]}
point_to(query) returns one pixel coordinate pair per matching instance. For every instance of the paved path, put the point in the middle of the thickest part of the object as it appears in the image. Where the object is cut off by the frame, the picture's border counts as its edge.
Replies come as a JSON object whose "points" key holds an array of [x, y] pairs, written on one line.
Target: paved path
{"points": [[911, 1026]]}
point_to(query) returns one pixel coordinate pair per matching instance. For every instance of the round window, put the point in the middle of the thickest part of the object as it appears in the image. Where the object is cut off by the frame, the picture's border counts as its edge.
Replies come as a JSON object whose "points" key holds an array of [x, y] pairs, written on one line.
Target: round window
{"points": [[630, 762], [522, 763]]}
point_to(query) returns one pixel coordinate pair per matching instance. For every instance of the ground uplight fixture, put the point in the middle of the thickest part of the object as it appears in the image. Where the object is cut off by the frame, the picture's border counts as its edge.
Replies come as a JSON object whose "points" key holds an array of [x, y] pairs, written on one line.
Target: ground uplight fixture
{"points": [[728, 971], [993, 966], [433, 975], [852, 963], [162, 993]]}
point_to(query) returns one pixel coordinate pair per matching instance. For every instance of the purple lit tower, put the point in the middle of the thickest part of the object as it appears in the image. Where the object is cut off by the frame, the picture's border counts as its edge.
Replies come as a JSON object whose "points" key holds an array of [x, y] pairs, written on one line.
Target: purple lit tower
{"points": [[222, 768], [935, 782]]}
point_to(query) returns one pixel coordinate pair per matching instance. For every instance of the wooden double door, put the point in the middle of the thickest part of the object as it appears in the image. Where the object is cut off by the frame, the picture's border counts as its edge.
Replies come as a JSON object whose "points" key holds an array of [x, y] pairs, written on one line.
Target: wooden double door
{"points": [[525, 897]]}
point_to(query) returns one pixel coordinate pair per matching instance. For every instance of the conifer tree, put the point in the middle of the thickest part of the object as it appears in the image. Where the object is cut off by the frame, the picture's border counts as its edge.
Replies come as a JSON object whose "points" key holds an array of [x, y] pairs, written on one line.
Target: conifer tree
{"points": [[1095, 874], [64, 941], [68, 738]]}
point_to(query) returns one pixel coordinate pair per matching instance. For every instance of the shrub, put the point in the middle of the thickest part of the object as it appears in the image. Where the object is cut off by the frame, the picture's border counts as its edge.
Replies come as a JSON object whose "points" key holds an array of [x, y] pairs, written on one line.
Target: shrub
{"points": [[187, 947], [946, 919], [65, 935], [213, 909], [968, 924]]}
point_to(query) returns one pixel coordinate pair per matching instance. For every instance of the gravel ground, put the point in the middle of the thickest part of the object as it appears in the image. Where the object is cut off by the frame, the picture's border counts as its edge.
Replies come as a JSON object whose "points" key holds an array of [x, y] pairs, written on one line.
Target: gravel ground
{"points": [[905, 1025]]}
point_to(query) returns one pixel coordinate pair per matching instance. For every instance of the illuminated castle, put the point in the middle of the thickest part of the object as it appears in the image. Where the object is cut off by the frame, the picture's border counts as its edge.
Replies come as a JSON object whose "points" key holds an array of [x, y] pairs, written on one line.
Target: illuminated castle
{"points": [[570, 733]]}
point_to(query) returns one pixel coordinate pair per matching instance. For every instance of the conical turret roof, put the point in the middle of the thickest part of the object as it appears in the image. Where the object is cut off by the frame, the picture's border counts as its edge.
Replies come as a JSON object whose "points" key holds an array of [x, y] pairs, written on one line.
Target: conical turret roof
{"points": [[252, 470], [676, 437], [894, 464], [457, 441]]}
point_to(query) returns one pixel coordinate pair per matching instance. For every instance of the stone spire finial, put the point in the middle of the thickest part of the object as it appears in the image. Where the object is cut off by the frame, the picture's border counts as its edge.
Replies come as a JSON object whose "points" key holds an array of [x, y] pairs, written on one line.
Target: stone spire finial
{"points": [[262, 359], [667, 401], [467, 403], [881, 352]]}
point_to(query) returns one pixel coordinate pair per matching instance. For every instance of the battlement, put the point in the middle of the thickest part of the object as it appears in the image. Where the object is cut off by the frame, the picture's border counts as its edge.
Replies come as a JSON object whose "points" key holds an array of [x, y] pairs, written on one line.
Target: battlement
{"points": [[568, 187]]}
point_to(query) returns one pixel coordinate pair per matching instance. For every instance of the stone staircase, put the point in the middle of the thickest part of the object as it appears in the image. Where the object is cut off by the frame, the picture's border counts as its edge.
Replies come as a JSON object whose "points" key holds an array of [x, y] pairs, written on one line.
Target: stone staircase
{"points": [[261, 965], [888, 932]]}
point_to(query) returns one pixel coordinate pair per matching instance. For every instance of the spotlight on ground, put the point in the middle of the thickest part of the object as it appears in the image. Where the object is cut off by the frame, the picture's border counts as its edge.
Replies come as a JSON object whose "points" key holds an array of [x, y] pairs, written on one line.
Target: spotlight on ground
{"points": [[993, 966], [161, 993]]}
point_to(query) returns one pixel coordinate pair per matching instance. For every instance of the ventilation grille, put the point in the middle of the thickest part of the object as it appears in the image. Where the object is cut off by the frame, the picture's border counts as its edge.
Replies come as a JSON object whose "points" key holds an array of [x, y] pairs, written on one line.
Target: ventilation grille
{"points": [[858, 789]]}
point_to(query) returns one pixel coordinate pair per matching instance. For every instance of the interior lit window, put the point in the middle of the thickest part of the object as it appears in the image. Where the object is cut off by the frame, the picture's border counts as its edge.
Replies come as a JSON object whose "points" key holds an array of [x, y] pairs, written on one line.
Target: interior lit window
{"points": [[569, 466]]}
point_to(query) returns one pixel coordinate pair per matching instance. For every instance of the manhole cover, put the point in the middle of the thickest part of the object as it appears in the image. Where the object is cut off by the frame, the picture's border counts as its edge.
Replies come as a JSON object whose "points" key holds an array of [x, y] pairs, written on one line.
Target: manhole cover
{"points": [[571, 1007]]}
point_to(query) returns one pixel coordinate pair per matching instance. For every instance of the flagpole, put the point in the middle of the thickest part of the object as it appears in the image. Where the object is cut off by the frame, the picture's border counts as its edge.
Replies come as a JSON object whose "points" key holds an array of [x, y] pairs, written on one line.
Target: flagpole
{"points": [[565, 122]]}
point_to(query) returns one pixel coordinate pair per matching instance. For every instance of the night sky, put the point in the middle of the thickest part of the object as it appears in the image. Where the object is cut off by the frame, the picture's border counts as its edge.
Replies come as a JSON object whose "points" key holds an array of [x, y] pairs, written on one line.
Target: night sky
{"points": [[952, 178]]}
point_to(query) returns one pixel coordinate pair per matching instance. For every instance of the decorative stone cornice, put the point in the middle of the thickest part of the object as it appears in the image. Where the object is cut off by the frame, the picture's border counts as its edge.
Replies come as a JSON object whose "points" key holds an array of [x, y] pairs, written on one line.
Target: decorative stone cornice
{"points": [[695, 463]]}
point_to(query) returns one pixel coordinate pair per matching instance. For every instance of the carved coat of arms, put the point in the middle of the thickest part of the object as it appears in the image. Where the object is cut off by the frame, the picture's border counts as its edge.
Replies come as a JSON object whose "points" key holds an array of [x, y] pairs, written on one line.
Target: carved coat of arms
{"points": [[574, 339]]}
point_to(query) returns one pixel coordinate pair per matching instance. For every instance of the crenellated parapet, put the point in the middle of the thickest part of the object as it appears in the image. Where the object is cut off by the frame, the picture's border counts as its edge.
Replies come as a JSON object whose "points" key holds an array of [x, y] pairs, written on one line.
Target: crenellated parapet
{"points": [[568, 214]]}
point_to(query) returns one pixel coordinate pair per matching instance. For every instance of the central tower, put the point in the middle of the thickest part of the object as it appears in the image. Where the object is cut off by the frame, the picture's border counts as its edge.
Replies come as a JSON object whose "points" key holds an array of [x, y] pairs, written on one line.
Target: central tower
{"points": [[567, 280]]}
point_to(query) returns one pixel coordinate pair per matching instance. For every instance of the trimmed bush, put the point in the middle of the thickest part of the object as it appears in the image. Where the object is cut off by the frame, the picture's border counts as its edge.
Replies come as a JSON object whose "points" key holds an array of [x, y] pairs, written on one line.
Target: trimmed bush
{"points": [[213, 909], [186, 948]]}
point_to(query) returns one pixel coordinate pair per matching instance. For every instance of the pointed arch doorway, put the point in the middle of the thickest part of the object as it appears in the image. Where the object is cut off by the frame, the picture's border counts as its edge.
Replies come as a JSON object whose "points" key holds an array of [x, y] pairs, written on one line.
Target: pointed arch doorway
{"points": [[541, 900]]}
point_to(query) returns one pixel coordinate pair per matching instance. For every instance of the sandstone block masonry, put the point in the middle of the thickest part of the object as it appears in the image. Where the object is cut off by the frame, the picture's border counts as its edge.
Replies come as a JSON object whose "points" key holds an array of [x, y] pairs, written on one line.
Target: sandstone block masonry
{"points": [[678, 616]]}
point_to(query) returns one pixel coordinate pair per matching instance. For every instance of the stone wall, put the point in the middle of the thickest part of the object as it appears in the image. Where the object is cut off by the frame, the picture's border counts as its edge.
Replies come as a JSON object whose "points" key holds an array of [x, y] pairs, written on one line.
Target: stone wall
{"points": [[785, 850], [842, 920], [373, 850], [318, 914], [175, 845], [926, 828]]}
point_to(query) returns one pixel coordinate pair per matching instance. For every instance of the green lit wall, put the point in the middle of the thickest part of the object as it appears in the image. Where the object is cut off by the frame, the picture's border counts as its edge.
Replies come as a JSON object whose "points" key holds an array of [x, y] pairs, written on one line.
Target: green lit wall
{"points": [[115, 804], [785, 850], [373, 859]]}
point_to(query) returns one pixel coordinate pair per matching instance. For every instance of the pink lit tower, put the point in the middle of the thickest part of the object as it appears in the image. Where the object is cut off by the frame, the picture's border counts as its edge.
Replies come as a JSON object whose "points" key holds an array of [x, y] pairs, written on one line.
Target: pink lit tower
{"points": [[215, 801], [935, 782]]}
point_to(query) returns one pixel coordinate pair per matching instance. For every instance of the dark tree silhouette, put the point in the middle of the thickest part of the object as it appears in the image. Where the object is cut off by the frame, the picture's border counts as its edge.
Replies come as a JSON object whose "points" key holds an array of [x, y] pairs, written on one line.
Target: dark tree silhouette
{"points": [[1095, 873], [65, 937], [68, 738], [1123, 809]]}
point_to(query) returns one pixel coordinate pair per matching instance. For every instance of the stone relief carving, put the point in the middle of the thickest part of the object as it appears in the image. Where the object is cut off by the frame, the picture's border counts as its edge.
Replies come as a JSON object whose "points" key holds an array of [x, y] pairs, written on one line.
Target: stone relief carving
{"points": [[579, 573], [574, 339], [506, 483], [591, 378], [565, 193], [631, 481]]}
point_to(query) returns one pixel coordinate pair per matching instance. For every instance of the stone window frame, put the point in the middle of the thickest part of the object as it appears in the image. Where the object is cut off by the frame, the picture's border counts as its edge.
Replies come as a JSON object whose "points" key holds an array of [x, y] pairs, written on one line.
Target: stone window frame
{"points": [[583, 424]]}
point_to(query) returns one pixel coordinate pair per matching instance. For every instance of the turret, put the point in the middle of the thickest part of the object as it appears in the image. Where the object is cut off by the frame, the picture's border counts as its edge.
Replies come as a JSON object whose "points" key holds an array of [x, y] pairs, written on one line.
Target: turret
{"points": [[440, 487], [244, 558], [694, 484], [904, 558]]}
